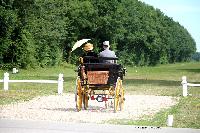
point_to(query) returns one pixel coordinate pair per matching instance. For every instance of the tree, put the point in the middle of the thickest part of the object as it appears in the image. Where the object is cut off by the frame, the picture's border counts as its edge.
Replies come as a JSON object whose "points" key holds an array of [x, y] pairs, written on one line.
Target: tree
{"points": [[42, 33]]}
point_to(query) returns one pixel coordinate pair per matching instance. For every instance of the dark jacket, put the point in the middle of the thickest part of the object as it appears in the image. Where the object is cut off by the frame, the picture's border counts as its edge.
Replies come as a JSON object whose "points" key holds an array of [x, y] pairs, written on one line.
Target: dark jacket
{"points": [[88, 60]]}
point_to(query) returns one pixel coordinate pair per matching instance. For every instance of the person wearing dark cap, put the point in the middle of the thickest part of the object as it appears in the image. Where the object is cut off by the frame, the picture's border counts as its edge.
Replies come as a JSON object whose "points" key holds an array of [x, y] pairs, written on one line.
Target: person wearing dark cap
{"points": [[107, 52]]}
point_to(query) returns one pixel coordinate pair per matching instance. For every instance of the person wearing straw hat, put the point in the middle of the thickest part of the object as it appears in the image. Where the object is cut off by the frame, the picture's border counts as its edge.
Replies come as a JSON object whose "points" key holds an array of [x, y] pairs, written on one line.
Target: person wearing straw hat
{"points": [[107, 52], [88, 51]]}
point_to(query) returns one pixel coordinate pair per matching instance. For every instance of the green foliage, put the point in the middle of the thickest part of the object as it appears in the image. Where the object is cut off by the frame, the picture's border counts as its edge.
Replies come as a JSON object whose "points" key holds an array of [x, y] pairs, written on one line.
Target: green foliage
{"points": [[8, 20], [26, 51], [47, 23], [42, 33]]}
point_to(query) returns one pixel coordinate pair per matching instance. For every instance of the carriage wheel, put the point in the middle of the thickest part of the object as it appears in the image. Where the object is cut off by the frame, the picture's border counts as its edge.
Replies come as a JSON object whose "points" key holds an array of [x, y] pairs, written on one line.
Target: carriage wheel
{"points": [[119, 96], [122, 99], [78, 94]]}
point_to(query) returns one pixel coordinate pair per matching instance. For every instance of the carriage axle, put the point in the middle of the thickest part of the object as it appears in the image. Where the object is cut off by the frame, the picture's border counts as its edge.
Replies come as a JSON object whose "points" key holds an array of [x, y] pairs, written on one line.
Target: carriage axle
{"points": [[100, 98]]}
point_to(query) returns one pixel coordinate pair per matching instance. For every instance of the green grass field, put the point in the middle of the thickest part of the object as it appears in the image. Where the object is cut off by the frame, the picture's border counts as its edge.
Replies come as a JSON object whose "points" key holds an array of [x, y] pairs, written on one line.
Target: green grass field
{"points": [[163, 80]]}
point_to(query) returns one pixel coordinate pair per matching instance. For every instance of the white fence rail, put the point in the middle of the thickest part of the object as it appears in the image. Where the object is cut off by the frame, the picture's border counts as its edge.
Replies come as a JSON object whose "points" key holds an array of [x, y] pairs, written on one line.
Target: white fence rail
{"points": [[185, 85], [60, 80]]}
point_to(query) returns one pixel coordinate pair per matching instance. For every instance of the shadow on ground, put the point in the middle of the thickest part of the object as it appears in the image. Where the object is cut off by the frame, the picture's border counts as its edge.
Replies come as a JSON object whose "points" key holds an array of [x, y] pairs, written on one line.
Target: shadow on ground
{"points": [[152, 82], [190, 70]]}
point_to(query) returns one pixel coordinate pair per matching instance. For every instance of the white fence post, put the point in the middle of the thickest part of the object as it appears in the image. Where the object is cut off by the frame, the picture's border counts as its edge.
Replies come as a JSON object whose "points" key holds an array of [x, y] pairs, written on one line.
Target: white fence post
{"points": [[184, 83], [6, 80], [170, 120], [60, 84]]}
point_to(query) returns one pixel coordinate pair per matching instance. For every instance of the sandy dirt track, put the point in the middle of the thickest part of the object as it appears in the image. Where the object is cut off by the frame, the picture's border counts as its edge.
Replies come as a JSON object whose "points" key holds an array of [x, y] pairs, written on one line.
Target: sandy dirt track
{"points": [[62, 108]]}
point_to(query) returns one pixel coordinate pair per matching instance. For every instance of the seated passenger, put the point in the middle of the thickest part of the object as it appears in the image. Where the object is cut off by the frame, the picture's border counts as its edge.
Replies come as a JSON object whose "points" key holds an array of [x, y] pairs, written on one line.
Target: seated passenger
{"points": [[107, 52], [88, 49]]}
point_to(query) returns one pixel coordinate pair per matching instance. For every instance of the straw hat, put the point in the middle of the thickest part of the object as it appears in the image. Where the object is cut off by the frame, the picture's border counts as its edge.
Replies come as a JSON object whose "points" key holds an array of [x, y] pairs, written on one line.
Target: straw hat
{"points": [[88, 46]]}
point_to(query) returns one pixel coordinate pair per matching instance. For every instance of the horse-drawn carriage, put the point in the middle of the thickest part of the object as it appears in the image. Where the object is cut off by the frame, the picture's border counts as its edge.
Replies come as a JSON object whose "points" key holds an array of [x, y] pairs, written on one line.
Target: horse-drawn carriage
{"points": [[99, 81]]}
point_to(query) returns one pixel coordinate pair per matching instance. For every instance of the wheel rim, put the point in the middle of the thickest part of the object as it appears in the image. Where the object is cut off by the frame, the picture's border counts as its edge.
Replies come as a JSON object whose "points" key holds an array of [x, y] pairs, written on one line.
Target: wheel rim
{"points": [[78, 95], [119, 96], [85, 99], [121, 101], [116, 96]]}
